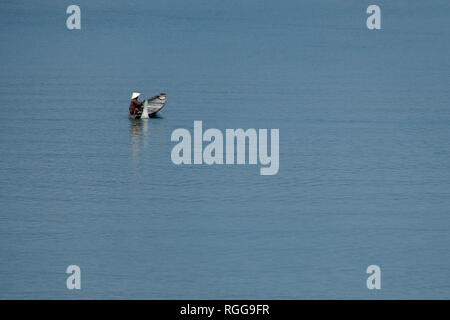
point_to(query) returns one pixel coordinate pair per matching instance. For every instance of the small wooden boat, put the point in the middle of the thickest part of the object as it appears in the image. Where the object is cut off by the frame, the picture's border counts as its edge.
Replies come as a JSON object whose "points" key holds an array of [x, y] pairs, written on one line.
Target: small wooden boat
{"points": [[151, 107]]}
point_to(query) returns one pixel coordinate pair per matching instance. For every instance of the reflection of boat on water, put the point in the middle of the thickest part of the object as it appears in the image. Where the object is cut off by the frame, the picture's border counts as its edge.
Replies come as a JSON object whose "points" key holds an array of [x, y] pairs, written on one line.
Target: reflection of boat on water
{"points": [[138, 134], [151, 107], [138, 128]]}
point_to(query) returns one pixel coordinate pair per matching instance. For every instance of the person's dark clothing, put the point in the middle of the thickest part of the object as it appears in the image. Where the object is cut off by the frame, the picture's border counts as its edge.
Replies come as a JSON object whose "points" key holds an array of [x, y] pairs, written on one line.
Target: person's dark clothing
{"points": [[135, 106]]}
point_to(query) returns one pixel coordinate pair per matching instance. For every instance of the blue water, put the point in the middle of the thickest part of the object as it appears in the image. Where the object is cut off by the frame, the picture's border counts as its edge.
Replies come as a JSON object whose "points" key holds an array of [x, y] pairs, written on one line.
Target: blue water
{"points": [[364, 178]]}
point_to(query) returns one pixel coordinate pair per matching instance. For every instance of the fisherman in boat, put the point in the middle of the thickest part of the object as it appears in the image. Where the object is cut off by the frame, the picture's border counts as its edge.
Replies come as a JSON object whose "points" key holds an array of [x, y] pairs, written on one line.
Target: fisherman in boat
{"points": [[135, 105]]}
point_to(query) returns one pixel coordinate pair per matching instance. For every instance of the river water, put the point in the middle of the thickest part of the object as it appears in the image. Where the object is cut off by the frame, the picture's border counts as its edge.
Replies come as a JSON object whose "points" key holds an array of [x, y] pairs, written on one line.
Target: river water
{"points": [[364, 175]]}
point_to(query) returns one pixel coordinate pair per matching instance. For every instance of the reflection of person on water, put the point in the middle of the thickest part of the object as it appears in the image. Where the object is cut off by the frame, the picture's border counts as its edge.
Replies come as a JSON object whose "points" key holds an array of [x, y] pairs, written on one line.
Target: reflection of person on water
{"points": [[139, 138], [135, 105]]}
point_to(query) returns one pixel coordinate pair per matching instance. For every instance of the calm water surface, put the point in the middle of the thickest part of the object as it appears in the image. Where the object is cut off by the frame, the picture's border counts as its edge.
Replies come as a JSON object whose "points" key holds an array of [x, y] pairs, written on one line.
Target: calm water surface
{"points": [[364, 121]]}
